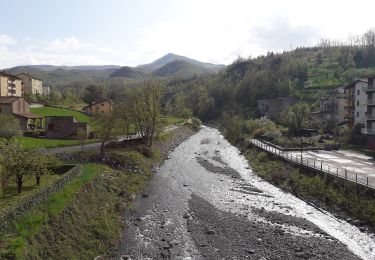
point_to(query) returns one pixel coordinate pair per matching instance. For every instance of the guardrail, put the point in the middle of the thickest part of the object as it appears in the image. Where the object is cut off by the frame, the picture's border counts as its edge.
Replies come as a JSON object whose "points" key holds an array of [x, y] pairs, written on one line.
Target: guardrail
{"points": [[316, 165]]}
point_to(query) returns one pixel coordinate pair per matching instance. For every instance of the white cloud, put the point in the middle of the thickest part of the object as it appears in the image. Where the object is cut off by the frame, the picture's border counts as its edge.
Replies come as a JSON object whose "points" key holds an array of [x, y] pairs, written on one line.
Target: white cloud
{"points": [[67, 44], [6, 40]]}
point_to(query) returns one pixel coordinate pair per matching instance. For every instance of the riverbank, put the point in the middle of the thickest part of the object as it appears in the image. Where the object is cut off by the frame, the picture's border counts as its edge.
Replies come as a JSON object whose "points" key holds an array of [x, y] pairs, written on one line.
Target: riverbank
{"points": [[85, 219], [205, 203], [344, 200]]}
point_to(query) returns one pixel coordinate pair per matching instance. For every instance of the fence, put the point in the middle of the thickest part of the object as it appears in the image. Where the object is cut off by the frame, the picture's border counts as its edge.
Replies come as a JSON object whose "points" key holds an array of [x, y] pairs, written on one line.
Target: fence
{"points": [[316, 165]]}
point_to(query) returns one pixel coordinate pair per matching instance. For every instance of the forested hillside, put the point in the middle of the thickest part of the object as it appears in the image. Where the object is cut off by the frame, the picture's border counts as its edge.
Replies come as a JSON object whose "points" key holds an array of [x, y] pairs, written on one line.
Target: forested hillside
{"points": [[305, 73]]}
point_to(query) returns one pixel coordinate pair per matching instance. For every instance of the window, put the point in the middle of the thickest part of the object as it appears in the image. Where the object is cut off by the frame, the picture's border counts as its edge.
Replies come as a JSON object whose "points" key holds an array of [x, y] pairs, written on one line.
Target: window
{"points": [[357, 114], [358, 92], [357, 103]]}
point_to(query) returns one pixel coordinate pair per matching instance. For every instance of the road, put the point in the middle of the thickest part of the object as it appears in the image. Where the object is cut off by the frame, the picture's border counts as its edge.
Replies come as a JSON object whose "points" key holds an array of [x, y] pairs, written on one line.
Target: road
{"points": [[205, 203], [349, 165]]}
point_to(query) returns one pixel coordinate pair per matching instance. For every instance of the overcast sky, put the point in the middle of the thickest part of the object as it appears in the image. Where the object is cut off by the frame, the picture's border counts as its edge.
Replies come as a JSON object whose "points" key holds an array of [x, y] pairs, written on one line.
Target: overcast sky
{"points": [[133, 32]]}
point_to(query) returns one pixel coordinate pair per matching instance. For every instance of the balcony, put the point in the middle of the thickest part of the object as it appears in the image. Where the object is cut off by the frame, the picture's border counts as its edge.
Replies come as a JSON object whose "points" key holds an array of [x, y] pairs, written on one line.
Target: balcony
{"points": [[371, 89], [370, 117], [368, 131], [370, 102]]}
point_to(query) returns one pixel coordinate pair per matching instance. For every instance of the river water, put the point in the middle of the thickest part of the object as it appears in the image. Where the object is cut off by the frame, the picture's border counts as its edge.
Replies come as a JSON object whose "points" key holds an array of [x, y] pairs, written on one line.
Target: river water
{"points": [[209, 167]]}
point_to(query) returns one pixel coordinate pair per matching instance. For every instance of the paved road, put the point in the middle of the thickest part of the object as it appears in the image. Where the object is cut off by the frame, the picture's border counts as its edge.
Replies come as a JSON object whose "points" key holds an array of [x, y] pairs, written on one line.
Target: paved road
{"points": [[205, 203], [74, 148], [350, 165]]}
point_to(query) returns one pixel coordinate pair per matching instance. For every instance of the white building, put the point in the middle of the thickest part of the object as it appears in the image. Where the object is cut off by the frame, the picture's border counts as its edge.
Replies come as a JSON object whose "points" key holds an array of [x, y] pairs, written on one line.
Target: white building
{"points": [[360, 102], [30, 84], [46, 90]]}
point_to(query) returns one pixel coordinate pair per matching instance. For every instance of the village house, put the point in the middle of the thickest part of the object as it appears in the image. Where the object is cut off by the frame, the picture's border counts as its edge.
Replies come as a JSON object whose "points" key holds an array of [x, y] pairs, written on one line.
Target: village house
{"points": [[370, 115], [10, 85], [65, 127], [101, 107], [19, 108], [272, 108], [31, 84]]}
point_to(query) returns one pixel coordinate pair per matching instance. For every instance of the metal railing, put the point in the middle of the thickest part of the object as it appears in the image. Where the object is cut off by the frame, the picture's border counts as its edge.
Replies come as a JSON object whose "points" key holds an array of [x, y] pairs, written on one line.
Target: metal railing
{"points": [[316, 165]]}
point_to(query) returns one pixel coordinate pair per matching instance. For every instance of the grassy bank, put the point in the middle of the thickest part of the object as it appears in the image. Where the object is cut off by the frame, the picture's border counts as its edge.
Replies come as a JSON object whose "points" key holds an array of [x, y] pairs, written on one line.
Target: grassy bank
{"points": [[83, 220], [33, 142], [335, 196], [55, 111]]}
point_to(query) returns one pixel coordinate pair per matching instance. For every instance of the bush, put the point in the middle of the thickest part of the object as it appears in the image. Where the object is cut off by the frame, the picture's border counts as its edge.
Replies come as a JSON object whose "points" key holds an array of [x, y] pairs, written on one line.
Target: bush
{"points": [[196, 123], [262, 157]]}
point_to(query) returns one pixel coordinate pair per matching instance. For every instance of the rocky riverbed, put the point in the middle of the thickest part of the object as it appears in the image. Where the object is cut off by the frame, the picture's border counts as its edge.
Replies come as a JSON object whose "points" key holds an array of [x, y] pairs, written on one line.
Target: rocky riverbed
{"points": [[205, 203]]}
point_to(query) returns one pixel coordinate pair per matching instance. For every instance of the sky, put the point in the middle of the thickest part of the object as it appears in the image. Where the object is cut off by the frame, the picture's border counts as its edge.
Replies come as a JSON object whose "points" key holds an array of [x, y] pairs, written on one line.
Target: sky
{"points": [[133, 32]]}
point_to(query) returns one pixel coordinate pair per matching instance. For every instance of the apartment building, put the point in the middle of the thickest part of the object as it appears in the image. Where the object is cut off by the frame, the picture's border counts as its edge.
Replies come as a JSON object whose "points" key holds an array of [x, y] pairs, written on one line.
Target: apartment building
{"points": [[332, 106], [10, 85], [356, 103], [31, 84], [370, 115]]}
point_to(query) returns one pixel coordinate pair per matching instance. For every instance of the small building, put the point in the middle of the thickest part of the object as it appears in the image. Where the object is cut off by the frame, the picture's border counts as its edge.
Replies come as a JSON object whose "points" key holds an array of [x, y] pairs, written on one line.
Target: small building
{"points": [[19, 108], [98, 108], [65, 127], [272, 108], [10, 85], [31, 84]]}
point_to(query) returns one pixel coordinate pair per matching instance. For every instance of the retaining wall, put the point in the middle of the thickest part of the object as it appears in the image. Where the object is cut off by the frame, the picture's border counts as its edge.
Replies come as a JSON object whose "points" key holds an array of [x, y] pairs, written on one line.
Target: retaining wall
{"points": [[15, 213]]}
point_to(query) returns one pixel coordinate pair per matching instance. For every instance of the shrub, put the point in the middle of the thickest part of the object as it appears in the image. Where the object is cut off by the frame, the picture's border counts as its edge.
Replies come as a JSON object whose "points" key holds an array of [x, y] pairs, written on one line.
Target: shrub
{"points": [[196, 123], [262, 157]]}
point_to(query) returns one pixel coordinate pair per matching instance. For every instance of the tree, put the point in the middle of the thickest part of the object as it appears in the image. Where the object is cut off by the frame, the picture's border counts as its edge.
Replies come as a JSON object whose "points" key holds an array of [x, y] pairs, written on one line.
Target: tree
{"points": [[94, 93], [297, 115], [19, 164], [9, 127], [144, 108], [107, 128]]}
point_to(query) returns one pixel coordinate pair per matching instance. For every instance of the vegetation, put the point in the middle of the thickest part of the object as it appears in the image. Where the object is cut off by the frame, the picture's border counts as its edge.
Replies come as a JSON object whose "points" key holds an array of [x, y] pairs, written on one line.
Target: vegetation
{"points": [[32, 142], [19, 164], [55, 111], [9, 127], [312, 187]]}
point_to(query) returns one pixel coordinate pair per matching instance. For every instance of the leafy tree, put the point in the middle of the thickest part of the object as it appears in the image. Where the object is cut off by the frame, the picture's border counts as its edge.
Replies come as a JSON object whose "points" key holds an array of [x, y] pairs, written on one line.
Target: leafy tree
{"points": [[9, 127], [297, 115], [20, 164], [107, 128], [94, 93]]}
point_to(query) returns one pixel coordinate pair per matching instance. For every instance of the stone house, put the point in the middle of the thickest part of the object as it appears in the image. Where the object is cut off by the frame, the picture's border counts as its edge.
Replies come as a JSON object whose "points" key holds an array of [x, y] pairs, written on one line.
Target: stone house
{"points": [[31, 84], [19, 108], [10, 85], [272, 108], [65, 127], [99, 108]]}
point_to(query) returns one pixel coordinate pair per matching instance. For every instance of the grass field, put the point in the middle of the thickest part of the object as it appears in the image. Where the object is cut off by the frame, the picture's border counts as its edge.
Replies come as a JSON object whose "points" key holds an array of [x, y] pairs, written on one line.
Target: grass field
{"points": [[31, 142], [55, 111]]}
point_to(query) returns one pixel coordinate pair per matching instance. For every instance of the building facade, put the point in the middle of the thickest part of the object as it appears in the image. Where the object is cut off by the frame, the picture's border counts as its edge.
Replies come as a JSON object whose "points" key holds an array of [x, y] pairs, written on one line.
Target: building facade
{"points": [[30, 84], [65, 127], [10, 85], [370, 115], [272, 108], [332, 106], [99, 108], [46, 90], [19, 108]]}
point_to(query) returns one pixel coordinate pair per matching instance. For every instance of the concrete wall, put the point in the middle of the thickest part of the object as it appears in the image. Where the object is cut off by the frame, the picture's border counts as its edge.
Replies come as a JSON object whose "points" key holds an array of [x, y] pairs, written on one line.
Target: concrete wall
{"points": [[15, 213]]}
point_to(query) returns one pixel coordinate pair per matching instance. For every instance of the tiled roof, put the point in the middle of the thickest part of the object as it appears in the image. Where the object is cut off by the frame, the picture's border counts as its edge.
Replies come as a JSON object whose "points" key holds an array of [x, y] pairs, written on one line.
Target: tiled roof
{"points": [[8, 100], [3, 73]]}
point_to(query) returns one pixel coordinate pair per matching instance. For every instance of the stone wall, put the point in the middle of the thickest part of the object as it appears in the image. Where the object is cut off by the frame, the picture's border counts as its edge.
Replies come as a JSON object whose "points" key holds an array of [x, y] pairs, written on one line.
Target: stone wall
{"points": [[15, 213]]}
